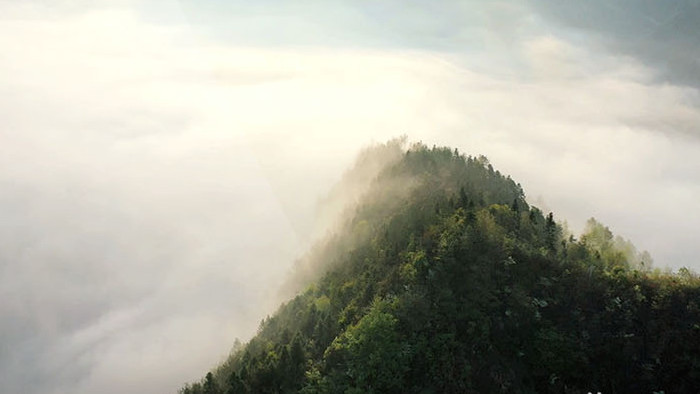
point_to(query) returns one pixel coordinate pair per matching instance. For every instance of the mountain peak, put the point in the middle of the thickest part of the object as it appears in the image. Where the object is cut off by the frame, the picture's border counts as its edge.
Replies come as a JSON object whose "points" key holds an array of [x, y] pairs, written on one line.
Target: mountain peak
{"points": [[441, 278]]}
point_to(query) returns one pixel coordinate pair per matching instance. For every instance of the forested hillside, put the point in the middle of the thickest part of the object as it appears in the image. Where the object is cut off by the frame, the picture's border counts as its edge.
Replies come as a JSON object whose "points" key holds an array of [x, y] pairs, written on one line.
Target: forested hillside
{"points": [[443, 279]]}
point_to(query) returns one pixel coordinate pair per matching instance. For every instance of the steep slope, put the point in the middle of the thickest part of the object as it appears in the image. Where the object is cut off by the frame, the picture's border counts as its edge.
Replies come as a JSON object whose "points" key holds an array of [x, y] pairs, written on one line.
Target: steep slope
{"points": [[444, 280]]}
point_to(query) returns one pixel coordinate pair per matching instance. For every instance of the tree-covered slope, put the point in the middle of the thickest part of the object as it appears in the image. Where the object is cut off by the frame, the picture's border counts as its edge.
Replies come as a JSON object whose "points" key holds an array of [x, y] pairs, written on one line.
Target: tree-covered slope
{"points": [[444, 280]]}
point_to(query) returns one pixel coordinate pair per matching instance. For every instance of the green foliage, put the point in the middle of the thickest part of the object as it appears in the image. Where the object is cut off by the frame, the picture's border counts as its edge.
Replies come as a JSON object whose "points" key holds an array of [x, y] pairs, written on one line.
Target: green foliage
{"points": [[371, 353], [446, 281]]}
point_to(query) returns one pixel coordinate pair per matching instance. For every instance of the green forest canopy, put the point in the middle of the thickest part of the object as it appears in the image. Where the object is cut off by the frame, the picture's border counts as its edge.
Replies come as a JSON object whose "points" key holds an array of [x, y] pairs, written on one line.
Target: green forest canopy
{"points": [[443, 279]]}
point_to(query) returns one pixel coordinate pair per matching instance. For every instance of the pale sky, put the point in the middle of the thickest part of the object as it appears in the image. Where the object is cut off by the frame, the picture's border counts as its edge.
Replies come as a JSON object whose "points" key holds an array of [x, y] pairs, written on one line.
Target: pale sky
{"points": [[161, 161]]}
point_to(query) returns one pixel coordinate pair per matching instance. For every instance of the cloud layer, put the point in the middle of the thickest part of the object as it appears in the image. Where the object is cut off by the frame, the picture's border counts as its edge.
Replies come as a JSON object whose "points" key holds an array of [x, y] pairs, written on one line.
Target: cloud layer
{"points": [[158, 181]]}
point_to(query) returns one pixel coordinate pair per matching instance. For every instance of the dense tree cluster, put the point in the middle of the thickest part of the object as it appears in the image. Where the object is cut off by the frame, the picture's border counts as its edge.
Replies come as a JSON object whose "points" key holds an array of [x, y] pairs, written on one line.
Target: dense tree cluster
{"points": [[445, 280]]}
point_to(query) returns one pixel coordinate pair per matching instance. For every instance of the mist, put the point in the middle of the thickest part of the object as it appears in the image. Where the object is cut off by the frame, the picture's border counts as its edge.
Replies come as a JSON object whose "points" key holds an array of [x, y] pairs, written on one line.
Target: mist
{"points": [[162, 167]]}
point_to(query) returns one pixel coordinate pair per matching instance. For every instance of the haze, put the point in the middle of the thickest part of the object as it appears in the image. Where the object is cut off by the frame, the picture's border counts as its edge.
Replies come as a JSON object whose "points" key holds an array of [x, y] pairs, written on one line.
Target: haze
{"points": [[161, 162]]}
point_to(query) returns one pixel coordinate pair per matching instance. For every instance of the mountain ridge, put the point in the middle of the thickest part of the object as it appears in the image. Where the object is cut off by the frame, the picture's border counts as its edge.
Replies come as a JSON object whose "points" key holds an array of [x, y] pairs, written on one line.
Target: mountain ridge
{"points": [[442, 278]]}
